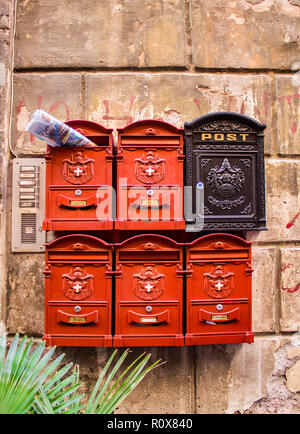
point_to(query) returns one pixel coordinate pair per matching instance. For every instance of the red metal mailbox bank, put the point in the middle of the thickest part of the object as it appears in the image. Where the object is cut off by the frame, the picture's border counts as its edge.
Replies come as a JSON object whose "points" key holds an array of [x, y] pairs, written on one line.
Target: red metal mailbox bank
{"points": [[78, 292], [150, 176], [218, 290], [148, 292], [78, 182]]}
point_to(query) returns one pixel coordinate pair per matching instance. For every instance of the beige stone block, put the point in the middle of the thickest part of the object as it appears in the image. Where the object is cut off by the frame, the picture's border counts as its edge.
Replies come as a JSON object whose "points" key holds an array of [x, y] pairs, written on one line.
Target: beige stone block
{"points": [[2, 328], [91, 361], [282, 202], [264, 289], [117, 99], [25, 294], [290, 289], [287, 109], [57, 94], [168, 389], [293, 377], [245, 34], [231, 377], [100, 34], [294, 352], [269, 363]]}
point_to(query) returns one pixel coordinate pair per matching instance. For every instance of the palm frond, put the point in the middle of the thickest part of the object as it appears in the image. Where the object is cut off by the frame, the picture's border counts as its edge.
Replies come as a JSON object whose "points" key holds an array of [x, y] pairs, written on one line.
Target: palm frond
{"points": [[31, 382], [22, 373], [107, 396]]}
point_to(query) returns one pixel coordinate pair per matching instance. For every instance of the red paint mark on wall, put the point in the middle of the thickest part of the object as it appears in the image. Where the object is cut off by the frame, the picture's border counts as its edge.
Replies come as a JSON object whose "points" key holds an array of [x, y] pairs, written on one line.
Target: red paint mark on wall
{"points": [[197, 102], [292, 222], [267, 102], [292, 289], [287, 289], [39, 104], [57, 104], [128, 118], [294, 127], [289, 99], [243, 106], [285, 266], [230, 102], [20, 105], [52, 108]]}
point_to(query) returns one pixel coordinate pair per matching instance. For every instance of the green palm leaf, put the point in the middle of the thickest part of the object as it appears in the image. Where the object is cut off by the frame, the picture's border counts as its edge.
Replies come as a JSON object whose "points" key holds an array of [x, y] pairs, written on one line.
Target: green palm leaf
{"points": [[22, 374], [31, 382], [107, 396]]}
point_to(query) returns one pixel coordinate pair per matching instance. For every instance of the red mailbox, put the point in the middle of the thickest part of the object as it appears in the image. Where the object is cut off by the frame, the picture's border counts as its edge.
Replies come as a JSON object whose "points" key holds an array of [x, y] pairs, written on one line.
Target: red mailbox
{"points": [[78, 182], [150, 176], [78, 292], [218, 290], [148, 295]]}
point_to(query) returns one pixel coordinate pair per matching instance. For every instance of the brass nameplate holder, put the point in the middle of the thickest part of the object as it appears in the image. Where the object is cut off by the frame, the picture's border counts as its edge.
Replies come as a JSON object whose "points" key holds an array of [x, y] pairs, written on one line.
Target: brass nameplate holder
{"points": [[219, 317], [148, 319], [78, 202], [150, 202], [76, 319]]}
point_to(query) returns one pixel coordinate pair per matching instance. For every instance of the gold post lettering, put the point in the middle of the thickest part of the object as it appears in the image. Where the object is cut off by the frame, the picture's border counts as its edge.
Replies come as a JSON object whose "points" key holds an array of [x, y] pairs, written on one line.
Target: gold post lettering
{"points": [[231, 137], [205, 136], [244, 136], [219, 136]]}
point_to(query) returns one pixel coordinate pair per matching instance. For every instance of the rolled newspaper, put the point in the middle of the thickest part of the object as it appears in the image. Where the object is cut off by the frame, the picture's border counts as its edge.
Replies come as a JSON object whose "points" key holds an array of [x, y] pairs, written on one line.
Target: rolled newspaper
{"points": [[54, 132]]}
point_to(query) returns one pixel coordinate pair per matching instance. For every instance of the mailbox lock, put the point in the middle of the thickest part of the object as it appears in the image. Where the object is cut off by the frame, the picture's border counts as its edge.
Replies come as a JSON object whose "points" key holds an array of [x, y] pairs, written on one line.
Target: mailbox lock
{"points": [[78, 192], [219, 307], [150, 192], [148, 309], [77, 309]]}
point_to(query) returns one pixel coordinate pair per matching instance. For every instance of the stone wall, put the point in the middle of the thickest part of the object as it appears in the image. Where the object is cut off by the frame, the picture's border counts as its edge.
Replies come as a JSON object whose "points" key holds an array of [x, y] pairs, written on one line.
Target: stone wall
{"points": [[6, 61], [118, 61]]}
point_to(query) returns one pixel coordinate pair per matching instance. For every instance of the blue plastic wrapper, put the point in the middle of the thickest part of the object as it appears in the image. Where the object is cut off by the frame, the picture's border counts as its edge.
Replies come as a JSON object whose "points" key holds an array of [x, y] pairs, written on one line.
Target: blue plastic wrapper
{"points": [[54, 132]]}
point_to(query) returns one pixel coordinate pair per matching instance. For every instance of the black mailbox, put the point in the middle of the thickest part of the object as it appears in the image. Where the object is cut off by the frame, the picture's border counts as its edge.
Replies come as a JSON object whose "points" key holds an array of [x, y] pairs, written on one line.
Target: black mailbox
{"points": [[225, 154]]}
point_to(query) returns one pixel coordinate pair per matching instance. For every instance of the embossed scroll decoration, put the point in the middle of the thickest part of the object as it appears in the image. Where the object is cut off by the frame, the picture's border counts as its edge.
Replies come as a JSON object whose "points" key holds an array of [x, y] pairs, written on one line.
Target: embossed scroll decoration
{"points": [[150, 168], [77, 284], [225, 153], [149, 284], [219, 282], [226, 180], [78, 169], [226, 125]]}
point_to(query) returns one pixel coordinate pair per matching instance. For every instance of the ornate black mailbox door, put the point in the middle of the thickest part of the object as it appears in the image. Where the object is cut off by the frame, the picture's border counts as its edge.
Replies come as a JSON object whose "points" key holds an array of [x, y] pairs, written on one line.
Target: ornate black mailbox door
{"points": [[225, 152]]}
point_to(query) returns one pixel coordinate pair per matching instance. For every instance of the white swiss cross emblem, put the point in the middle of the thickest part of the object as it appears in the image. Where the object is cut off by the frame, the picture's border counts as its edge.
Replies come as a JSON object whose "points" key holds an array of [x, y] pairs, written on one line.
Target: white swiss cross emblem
{"points": [[150, 171], [77, 287], [219, 285], [218, 282], [149, 284], [78, 171], [148, 287]]}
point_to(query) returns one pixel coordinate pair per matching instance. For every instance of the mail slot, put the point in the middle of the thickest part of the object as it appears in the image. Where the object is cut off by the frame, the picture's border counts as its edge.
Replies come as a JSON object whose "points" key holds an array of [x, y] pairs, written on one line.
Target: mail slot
{"points": [[79, 182], [78, 291], [225, 155], [150, 171], [218, 284], [148, 292]]}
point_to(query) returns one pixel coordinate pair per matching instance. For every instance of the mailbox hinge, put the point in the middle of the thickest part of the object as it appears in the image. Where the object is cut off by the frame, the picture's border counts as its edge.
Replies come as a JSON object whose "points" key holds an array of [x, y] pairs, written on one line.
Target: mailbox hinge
{"points": [[120, 154], [180, 155], [108, 154], [109, 272], [47, 271], [188, 272], [249, 269]]}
